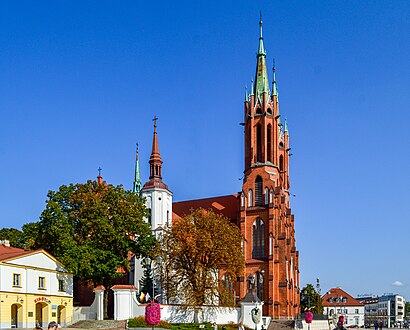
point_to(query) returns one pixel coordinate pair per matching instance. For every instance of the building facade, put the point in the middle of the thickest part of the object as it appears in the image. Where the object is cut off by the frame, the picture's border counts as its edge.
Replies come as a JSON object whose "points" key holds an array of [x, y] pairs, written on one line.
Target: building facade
{"points": [[337, 302], [391, 310], [262, 209], [34, 289]]}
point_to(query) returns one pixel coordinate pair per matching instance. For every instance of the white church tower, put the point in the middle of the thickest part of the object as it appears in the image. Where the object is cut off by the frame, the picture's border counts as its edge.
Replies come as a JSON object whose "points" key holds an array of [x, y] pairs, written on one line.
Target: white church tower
{"points": [[158, 198], [158, 201]]}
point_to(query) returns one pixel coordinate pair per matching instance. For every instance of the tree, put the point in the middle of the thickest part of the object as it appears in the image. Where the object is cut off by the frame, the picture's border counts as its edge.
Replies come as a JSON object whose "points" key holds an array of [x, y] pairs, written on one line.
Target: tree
{"points": [[407, 310], [146, 281], [196, 250], [310, 298], [91, 228], [14, 236]]}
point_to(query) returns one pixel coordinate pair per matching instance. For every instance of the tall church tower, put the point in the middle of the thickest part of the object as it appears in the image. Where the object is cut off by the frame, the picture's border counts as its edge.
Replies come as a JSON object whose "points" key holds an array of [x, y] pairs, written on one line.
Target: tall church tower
{"points": [[266, 220], [155, 191]]}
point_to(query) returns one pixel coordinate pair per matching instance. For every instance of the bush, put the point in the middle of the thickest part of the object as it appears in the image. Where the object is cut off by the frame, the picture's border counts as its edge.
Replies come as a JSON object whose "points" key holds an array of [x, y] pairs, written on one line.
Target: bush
{"points": [[139, 322]]}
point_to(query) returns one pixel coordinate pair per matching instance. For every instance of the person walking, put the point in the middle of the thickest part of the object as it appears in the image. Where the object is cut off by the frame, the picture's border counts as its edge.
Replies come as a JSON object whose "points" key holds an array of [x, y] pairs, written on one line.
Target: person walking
{"points": [[339, 326]]}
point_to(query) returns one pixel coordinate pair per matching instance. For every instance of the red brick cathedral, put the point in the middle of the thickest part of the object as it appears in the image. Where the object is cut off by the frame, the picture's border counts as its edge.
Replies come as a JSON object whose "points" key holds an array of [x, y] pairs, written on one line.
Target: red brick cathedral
{"points": [[262, 208]]}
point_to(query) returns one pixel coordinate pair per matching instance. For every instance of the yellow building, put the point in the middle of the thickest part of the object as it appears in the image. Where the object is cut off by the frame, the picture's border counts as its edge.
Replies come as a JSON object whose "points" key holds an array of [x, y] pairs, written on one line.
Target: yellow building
{"points": [[34, 289]]}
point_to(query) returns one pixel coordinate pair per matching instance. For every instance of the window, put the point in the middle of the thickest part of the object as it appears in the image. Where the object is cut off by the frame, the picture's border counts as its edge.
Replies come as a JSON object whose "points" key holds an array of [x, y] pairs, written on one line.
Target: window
{"points": [[242, 200], [258, 239], [356, 311], [266, 196], [259, 143], [250, 198], [149, 217], [41, 282], [61, 285], [258, 191], [259, 285], [269, 142], [281, 163], [16, 280]]}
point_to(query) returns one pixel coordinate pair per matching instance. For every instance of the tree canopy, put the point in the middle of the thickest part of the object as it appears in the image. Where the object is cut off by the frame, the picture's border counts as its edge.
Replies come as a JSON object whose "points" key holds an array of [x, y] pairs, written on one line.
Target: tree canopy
{"points": [[91, 228], [194, 252], [14, 236], [310, 298]]}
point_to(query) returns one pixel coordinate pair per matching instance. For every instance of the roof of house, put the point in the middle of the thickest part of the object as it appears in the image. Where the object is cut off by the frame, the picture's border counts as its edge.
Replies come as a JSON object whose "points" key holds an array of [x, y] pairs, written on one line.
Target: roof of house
{"points": [[8, 252], [225, 205], [338, 297]]}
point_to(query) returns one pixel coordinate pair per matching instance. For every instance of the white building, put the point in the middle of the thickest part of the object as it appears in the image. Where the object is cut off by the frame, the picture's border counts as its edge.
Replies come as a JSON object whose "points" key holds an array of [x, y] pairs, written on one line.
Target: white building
{"points": [[34, 289], [337, 303], [391, 310]]}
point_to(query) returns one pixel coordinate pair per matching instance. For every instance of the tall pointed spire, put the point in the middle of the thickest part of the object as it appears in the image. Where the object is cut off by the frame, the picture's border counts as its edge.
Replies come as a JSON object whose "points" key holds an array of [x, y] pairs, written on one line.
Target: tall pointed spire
{"points": [[274, 87], [261, 76], [155, 160], [137, 180]]}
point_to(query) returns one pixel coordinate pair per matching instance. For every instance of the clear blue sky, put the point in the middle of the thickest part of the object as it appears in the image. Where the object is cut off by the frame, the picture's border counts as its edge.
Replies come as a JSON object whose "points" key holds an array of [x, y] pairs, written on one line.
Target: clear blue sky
{"points": [[81, 80]]}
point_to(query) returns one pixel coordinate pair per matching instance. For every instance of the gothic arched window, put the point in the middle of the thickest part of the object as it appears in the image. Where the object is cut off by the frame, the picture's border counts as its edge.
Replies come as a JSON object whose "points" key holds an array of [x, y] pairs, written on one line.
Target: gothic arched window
{"points": [[259, 284], [259, 143], [242, 200], [258, 191], [266, 196], [269, 143], [258, 239], [250, 198]]}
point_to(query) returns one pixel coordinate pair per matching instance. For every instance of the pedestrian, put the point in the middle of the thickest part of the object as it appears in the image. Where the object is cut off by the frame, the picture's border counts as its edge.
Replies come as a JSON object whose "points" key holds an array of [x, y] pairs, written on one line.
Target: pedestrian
{"points": [[52, 325], [240, 326], [59, 326], [376, 325], [380, 324], [339, 326], [214, 326]]}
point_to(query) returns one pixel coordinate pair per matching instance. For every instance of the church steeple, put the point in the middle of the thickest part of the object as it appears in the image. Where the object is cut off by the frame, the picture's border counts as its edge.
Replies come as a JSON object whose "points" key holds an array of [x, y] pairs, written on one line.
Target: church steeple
{"points": [[155, 162], [137, 179], [261, 76]]}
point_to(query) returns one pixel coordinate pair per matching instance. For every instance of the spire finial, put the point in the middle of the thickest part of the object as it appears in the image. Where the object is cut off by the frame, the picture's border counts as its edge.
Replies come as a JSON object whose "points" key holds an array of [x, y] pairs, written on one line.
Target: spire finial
{"points": [[260, 24], [99, 170], [155, 123]]}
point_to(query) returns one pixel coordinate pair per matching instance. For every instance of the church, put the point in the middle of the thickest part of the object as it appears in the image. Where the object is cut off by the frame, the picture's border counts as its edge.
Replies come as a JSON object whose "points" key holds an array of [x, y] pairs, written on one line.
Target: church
{"points": [[261, 209]]}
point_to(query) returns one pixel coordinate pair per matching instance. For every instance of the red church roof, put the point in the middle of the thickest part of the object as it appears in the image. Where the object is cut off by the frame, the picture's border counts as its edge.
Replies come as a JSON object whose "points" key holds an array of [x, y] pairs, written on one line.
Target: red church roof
{"points": [[337, 297], [226, 205]]}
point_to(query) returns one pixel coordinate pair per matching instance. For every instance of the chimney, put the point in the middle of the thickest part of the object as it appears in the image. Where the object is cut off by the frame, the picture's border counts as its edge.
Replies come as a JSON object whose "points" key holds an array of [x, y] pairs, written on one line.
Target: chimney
{"points": [[5, 242]]}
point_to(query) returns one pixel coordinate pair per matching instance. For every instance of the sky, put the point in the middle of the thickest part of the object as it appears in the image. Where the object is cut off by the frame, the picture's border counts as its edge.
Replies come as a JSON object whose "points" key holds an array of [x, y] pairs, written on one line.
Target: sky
{"points": [[80, 82]]}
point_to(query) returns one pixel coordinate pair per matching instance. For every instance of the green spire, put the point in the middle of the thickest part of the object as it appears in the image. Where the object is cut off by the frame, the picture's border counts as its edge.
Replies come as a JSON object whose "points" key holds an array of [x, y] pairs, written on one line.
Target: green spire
{"points": [[137, 180], [286, 126], [274, 87], [261, 76]]}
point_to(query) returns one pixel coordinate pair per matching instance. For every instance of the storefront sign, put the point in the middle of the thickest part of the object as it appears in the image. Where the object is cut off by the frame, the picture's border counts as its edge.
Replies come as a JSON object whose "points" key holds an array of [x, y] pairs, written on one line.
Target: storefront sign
{"points": [[46, 300]]}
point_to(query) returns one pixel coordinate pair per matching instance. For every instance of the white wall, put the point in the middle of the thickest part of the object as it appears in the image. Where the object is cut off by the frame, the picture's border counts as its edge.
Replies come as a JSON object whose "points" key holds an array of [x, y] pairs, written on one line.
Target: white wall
{"points": [[29, 276]]}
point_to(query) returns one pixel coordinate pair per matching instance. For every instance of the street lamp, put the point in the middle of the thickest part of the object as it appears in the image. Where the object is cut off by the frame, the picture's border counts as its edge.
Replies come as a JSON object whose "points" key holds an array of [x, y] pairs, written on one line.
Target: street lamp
{"points": [[147, 262]]}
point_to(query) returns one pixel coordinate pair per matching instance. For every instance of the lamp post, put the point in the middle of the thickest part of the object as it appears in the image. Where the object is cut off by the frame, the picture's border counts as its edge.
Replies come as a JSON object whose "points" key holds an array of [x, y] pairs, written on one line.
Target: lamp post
{"points": [[147, 262]]}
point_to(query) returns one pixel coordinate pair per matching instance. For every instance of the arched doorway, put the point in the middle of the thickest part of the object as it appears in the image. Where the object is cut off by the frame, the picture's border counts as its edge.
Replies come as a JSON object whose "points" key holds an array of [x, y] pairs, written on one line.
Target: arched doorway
{"points": [[16, 316], [61, 317], [41, 314]]}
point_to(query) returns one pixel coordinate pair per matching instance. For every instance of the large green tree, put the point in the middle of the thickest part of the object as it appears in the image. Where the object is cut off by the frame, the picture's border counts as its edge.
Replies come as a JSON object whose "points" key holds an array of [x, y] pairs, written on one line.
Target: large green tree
{"points": [[91, 228], [195, 252], [14, 236], [310, 298]]}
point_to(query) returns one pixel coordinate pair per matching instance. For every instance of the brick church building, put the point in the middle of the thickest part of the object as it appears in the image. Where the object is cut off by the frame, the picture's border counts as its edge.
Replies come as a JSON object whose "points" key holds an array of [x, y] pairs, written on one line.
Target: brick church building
{"points": [[261, 209]]}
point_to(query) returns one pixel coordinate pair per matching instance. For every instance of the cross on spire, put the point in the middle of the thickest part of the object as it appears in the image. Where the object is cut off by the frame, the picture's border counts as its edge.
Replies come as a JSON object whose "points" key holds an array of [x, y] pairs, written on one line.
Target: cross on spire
{"points": [[155, 122], [99, 170]]}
